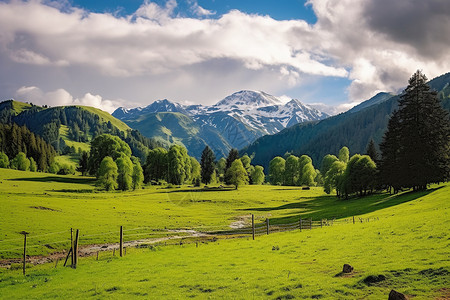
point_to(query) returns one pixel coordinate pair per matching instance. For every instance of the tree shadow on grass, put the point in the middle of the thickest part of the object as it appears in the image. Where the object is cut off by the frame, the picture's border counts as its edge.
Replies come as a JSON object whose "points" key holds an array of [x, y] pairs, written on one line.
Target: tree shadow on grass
{"points": [[329, 207], [199, 190], [57, 179]]}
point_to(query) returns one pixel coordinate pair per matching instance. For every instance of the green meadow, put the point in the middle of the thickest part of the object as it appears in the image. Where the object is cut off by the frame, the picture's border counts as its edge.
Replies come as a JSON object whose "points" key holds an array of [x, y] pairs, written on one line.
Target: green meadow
{"points": [[408, 244]]}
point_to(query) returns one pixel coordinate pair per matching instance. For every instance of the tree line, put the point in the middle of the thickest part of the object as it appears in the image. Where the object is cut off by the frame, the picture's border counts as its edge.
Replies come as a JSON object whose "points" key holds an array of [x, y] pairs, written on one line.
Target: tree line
{"points": [[18, 144]]}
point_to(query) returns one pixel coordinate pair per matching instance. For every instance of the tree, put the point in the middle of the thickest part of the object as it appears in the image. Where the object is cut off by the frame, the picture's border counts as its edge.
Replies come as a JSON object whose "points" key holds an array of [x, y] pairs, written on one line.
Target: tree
{"points": [[303, 161], [207, 165], [138, 174], [106, 145], [418, 148], [107, 174], [257, 175], [308, 174], [371, 150], [4, 161], [221, 166], [33, 166], [237, 173], [156, 166], [125, 172], [83, 163], [344, 154], [276, 170], [20, 162], [232, 156], [365, 175], [196, 172], [333, 177], [291, 172], [176, 162], [327, 161]]}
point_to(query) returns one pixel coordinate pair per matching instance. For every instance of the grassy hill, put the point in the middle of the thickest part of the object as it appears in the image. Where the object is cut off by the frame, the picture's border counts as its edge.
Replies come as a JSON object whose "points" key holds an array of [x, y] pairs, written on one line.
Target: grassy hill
{"points": [[407, 244]]}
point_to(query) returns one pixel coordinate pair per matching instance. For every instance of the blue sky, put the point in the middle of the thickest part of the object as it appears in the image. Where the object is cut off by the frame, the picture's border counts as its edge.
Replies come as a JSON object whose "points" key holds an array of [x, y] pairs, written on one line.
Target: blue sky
{"points": [[279, 10], [327, 53]]}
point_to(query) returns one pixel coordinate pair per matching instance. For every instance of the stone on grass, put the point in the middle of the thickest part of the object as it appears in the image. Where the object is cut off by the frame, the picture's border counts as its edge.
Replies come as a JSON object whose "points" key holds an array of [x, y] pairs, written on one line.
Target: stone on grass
{"points": [[347, 269], [394, 295]]}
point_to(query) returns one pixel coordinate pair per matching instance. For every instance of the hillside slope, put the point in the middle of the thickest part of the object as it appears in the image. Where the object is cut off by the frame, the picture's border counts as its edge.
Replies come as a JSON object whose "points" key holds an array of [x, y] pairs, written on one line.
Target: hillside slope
{"points": [[72, 126], [353, 129]]}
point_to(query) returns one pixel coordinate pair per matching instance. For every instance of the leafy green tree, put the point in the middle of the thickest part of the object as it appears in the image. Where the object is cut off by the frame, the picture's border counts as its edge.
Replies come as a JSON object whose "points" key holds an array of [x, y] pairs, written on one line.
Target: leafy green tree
{"points": [[302, 162], [344, 154], [333, 177], [257, 175], [327, 161], [418, 148], [232, 156], [156, 166], [221, 166], [125, 173], [365, 175], [207, 165], [107, 174], [196, 171], [106, 145], [292, 172], [276, 170], [138, 174], [4, 160], [308, 174], [246, 160], [372, 151], [54, 168], [33, 165], [20, 162], [176, 161], [349, 181], [237, 173]]}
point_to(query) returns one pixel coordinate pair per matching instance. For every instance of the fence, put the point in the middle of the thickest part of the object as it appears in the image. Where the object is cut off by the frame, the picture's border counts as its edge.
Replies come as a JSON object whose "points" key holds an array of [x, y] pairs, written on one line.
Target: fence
{"points": [[145, 236]]}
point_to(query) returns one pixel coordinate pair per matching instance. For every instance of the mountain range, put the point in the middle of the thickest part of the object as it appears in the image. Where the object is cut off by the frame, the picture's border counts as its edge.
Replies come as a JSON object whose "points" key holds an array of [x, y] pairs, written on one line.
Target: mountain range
{"points": [[234, 122]]}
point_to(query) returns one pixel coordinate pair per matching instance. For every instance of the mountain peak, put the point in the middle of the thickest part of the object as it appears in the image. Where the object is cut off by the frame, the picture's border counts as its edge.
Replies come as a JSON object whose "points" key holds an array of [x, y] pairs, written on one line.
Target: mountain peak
{"points": [[250, 99]]}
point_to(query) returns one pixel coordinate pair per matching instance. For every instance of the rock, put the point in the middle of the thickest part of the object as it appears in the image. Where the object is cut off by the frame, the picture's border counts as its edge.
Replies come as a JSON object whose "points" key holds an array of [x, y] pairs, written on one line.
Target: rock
{"points": [[394, 295], [347, 269]]}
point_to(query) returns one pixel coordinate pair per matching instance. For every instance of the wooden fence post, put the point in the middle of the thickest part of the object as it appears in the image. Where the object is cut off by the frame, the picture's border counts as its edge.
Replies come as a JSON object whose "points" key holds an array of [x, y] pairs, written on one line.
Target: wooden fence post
{"points": [[71, 246], [353, 219], [121, 241], [75, 249], [267, 223], [253, 226], [24, 249], [300, 224], [321, 223], [310, 224]]}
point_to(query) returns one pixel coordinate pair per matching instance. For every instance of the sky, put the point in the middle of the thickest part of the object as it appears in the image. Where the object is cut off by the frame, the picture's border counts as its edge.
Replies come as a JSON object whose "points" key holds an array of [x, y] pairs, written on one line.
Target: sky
{"points": [[332, 54]]}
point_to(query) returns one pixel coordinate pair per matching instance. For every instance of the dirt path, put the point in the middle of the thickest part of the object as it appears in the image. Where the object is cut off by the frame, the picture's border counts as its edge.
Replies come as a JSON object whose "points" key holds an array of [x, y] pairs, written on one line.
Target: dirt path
{"points": [[89, 250]]}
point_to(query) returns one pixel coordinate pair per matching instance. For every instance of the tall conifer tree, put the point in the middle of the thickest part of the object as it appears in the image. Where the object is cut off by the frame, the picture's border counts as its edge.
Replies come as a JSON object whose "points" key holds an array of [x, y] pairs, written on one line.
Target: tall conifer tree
{"points": [[416, 145]]}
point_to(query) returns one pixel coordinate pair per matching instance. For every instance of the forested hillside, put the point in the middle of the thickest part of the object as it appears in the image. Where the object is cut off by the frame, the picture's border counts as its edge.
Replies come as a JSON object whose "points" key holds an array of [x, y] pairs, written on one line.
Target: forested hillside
{"points": [[63, 126], [351, 129]]}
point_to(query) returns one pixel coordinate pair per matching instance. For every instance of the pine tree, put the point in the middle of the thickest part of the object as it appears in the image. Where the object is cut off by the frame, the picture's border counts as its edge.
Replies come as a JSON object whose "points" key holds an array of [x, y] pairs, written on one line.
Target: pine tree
{"points": [[416, 145], [207, 165], [371, 150]]}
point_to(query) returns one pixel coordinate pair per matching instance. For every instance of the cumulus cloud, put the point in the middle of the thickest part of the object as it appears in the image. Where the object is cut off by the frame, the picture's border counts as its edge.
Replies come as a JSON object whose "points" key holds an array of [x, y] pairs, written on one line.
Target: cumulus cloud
{"points": [[153, 53], [61, 97]]}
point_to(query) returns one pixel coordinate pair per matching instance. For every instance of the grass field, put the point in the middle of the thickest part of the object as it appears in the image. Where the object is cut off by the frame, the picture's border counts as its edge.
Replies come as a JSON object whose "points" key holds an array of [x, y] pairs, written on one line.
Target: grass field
{"points": [[48, 205], [408, 245]]}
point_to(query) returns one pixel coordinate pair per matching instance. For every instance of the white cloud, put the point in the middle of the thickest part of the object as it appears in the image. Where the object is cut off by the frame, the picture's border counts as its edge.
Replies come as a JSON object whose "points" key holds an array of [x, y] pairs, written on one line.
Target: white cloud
{"points": [[157, 54], [61, 97]]}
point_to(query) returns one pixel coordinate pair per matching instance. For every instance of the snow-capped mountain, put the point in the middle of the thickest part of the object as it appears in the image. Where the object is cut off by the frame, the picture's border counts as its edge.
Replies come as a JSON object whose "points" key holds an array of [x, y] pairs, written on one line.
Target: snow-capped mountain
{"points": [[239, 118]]}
